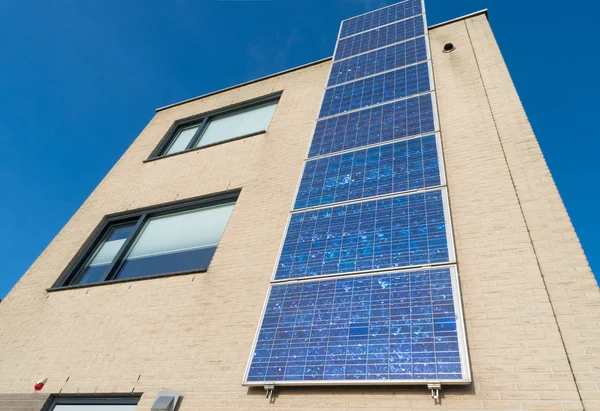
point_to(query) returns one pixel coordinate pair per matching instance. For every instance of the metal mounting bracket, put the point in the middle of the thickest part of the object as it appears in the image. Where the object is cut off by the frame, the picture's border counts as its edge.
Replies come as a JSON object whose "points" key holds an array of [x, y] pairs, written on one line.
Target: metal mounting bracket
{"points": [[435, 388], [269, 388]]}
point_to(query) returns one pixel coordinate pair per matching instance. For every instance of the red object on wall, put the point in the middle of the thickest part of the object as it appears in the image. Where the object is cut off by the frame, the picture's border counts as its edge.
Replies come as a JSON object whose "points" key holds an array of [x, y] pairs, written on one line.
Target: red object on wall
{"points": [[40, 385]]}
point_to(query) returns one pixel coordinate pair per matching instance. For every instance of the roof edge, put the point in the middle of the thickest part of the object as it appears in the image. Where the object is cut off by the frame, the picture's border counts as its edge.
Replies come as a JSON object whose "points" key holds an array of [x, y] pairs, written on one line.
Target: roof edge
{"points": [[477, 13], [245, 84], [466, 16]]}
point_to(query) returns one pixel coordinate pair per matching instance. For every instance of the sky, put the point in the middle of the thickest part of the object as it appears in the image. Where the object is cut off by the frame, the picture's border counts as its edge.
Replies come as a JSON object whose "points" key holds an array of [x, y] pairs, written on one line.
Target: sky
{"points": [[79, 80]]}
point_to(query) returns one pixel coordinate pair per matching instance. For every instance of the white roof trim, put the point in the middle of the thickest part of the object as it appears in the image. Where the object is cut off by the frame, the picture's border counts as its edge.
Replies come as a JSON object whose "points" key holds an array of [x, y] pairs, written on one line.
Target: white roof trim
{"points": [[245, 84], [467, 16]]}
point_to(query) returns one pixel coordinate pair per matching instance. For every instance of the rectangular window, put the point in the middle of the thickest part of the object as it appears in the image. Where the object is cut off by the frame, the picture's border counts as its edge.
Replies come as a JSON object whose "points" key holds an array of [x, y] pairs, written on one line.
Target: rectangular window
{"points": [[94, 403], [97, 407], [208, 130], [167, 240]]}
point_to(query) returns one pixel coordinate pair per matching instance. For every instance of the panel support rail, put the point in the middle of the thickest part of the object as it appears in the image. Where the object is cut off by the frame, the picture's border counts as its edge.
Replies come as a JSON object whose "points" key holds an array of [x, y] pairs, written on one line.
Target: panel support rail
{"points": [[435, 388], [269, 388]]}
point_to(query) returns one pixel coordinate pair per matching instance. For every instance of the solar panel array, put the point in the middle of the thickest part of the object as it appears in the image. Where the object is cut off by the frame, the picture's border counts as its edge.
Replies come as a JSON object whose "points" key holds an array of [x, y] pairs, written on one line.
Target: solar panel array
{"points": [[375, 125], [381, 17], [377, 89], [381, 37], [389, 58], [402, 231], [365, 289], [393, 326], [391, 168]]}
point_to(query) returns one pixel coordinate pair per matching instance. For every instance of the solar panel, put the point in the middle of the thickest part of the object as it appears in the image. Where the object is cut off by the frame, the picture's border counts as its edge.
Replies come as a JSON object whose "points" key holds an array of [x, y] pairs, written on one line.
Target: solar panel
{"points": [[391, 121], [391, 168], [377, 89], [381, 37], [365, 290], [402, 231], [389, 58], [396, 327], [381, 17]]}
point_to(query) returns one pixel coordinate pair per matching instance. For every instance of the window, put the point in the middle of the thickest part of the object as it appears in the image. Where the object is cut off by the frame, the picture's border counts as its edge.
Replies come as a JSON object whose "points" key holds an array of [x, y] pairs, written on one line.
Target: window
{"points": [[244, 121], [94, 403], [172, 239], [93, 407]]}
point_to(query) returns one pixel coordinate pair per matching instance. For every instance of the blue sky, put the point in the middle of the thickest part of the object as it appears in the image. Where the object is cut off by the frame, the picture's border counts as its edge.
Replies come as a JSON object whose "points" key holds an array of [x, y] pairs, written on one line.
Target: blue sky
{"points": [[80, 79]]}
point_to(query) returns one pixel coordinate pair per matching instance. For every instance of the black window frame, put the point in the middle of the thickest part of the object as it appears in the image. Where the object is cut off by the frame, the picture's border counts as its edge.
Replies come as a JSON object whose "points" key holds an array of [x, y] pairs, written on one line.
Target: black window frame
{"points": [[73, 269], [92, 399], [203, 120]]}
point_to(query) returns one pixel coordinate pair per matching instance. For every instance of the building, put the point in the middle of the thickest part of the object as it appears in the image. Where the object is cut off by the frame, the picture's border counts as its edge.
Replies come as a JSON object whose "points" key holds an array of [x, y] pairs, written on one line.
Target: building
{"points": [[133, 297]]}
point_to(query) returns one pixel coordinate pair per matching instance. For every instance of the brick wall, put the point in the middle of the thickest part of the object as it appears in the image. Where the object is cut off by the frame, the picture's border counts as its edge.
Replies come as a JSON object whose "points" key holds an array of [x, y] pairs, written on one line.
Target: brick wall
{"points": [[527, 289], [23, 402]]}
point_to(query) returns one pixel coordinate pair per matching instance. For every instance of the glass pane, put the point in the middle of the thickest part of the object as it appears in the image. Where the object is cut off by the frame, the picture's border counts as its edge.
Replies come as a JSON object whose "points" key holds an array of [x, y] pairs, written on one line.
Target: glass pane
{"points": [[238, 123], [178, 242], [104, 254], [182, 140], [95, 408]]}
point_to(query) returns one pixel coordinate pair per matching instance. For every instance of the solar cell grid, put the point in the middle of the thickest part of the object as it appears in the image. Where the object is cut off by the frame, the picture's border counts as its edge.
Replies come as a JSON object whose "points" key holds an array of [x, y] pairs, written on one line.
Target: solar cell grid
{"points": [[393, 232], [392, 121], [402, 54], [380, 37], [393, 326], [380, 17], [377, 89], [338, 311], [391, 168]]}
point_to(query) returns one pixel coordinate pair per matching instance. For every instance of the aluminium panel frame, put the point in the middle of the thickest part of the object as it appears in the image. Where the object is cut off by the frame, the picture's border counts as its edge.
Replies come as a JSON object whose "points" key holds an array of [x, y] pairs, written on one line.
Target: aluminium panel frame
{"points": [[452, 264], [405, 66], [442, 174], [447, 219], [436, 123], [460, 331], [369, 12], [334, 60]]}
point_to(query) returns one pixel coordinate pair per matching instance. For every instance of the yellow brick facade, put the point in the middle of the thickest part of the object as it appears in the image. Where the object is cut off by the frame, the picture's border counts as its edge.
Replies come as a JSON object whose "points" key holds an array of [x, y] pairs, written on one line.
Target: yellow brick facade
{"points": [[530, 300]]}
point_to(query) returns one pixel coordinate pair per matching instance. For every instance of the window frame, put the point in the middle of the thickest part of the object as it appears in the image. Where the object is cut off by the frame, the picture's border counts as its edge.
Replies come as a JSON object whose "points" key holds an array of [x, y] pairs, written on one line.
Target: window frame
{"points": [[141, 215], [202, 121], [92, 399]]}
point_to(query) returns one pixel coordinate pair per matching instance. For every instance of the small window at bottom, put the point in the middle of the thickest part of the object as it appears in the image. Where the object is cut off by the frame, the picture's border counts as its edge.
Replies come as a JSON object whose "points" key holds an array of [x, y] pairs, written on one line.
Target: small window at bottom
{"points": [[94, 407], [94, 403]]}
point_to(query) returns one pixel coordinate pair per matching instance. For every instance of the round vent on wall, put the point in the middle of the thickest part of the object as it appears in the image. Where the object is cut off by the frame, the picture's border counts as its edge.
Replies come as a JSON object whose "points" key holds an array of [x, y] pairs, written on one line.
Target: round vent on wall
{"points": [[449, 47]]}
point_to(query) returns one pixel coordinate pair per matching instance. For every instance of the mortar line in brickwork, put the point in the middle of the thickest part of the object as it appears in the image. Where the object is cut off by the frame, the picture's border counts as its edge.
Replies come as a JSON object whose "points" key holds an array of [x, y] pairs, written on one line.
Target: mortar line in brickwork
{"points": [[537, 260]]}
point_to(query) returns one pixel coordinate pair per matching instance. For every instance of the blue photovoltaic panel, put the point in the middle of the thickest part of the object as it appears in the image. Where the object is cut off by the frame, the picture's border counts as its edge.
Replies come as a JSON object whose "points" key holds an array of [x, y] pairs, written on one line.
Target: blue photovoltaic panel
{"points": [[396, 326], [387, 233], [389, 58], [377, 89], [392, 168], [381, 37], [351, 301], [381, 17], [392, 121]]}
